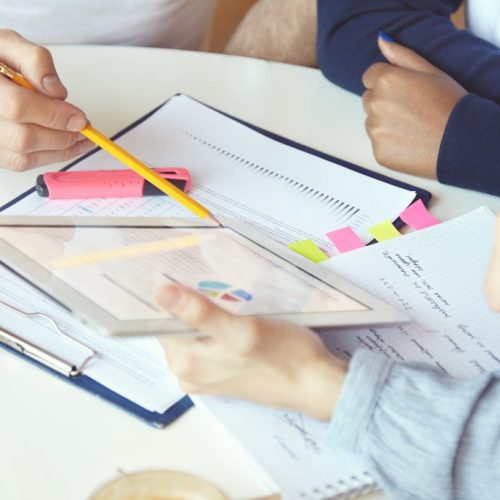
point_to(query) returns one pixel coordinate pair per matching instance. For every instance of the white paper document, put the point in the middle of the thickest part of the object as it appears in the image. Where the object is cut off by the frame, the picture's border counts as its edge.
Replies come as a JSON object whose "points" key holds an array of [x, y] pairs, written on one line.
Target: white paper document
{"points": [[239, 173], [290, 195], [436, 276], [134, 368], [236, 172]]}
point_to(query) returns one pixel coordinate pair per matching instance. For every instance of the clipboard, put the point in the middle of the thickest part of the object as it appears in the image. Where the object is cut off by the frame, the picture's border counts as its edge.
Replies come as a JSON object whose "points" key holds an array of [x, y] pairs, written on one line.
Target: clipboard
{"points": [[75, 376], [162, 419], [158, 420]]}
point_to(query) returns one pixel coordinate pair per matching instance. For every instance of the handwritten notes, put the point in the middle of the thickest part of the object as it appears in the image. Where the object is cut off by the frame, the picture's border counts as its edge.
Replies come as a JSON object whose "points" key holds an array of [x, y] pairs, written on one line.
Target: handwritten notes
{"points": [[345, 239], [309, 250], [417, 216], [453, 329], [284, 441], [384, 231]]}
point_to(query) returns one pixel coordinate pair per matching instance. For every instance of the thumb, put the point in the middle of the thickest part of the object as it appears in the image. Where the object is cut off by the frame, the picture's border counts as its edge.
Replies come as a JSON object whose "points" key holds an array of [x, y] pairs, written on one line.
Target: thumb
{"points": [[33, 62], [196, 311], [403, 57]]}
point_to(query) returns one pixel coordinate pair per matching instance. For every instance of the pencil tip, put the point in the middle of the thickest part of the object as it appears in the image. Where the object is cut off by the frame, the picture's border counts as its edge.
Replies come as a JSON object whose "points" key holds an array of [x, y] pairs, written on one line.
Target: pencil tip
{"points": [[211, 218]]}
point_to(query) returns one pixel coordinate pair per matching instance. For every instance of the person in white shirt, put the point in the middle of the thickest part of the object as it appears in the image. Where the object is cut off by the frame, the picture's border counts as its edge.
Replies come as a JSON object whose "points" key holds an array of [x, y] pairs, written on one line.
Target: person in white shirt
{"points": [[483, 19], [40, 128], [180, 24]]}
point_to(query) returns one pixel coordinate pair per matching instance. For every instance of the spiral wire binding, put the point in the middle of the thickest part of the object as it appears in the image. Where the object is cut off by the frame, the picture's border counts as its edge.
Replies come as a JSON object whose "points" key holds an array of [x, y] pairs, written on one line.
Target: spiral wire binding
{"points": [[354, 487]]}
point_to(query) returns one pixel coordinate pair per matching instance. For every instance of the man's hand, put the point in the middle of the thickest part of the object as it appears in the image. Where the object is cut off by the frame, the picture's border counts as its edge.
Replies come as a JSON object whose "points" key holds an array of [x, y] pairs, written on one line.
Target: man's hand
{"points": [[492, 283], [36, 128], [266, 361], [408, 103]]}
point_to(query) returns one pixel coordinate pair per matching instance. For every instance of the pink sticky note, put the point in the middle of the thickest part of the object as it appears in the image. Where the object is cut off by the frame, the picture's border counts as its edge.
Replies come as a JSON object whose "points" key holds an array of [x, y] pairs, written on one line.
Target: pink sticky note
{"points": [[417, 216], [345, 239]]}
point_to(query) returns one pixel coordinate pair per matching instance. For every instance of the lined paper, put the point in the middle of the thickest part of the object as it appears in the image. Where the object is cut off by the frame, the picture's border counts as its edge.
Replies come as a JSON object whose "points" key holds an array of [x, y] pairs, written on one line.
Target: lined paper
{"points": [[436, 275]]}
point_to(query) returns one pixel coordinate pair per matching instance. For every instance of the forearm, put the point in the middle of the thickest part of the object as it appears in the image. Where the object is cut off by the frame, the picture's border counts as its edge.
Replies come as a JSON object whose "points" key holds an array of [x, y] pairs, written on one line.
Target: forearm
{"points": [[425, 435], [348, 30], [278, 30]]}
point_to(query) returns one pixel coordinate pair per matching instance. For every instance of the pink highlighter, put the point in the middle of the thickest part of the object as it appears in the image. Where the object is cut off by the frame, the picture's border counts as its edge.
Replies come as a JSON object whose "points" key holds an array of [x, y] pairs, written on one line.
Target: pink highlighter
{"points": [[106, 183]]}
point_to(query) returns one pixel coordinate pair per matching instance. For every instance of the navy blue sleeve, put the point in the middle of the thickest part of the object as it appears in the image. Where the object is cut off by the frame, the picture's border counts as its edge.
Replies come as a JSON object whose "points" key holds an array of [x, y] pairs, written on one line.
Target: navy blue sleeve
{"points": [[348, 31], [347, 45], [469, 156]]}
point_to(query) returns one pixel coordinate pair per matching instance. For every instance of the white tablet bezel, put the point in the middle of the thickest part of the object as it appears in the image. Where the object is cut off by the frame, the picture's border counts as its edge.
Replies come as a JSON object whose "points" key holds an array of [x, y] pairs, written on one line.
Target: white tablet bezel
{"points": [[377, 312]]}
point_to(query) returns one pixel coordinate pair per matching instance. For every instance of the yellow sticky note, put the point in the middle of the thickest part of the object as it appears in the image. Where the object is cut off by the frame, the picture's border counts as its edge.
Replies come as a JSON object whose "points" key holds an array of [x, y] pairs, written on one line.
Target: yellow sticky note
{"points": [[384, 231], [308, 249]]}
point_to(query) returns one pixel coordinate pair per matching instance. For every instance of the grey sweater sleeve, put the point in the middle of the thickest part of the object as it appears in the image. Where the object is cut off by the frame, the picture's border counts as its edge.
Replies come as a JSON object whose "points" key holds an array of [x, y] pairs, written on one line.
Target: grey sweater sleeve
{"points": [[424, 434]]}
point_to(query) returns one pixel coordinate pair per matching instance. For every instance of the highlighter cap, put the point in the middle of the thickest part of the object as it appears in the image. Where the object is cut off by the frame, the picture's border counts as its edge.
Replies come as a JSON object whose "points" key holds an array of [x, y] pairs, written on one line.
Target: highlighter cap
{"points": [[41, 186]]}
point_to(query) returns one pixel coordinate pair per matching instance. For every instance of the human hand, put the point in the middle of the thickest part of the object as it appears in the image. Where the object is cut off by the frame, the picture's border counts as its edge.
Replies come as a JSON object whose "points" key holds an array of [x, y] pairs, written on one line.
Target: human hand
{"points": [[408, 103], [36, 128], [267, 361], [492, 283]]}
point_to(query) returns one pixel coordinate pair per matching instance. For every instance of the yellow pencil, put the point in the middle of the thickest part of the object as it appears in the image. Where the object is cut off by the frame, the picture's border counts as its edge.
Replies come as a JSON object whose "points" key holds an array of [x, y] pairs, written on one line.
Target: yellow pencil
{"points": [[126, 158], [147, 173]]}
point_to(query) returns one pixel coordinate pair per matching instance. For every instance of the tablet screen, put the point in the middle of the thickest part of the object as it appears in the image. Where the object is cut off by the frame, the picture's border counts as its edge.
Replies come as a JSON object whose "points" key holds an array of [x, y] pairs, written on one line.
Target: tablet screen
{"points": [[122, 269]]}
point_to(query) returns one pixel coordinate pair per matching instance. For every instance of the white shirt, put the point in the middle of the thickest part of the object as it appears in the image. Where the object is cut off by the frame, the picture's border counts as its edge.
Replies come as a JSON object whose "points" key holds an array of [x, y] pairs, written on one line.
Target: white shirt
{"points": [[483, 18], [158, 23]]}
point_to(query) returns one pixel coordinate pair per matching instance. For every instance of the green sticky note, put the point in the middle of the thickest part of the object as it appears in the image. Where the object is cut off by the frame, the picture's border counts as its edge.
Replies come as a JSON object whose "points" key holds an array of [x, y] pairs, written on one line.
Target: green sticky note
{"points": [[384, 231], [309, 250]]}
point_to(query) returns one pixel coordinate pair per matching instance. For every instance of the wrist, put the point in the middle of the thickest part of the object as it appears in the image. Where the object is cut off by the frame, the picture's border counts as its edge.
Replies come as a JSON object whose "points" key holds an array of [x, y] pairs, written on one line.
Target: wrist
{"points": [[321, 386]]}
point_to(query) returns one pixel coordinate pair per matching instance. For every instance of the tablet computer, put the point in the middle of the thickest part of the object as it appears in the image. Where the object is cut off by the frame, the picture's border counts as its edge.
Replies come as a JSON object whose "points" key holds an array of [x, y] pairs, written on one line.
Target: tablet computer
{"points": [[108, 271]]}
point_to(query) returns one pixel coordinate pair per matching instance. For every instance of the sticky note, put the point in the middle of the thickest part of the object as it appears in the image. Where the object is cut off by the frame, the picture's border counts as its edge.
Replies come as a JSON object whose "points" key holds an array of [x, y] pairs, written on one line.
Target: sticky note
{"points": [[384, 231], [308, 249], [418, 217], [345, 239]]}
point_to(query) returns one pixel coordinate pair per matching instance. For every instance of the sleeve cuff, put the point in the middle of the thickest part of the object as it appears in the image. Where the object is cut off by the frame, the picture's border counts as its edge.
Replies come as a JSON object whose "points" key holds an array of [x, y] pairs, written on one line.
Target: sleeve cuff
{"points": [[367, 374], [469, 156]]}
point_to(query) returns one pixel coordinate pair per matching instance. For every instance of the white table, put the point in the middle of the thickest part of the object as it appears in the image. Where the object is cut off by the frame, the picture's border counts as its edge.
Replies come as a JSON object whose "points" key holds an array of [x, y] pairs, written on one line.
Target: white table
{"points": [[57, 442]]}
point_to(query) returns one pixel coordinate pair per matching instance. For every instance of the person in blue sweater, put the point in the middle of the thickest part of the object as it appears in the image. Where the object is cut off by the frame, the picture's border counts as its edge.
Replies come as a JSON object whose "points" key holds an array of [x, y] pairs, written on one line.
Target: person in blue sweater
{"points": [[432, 99], [425, 435]]}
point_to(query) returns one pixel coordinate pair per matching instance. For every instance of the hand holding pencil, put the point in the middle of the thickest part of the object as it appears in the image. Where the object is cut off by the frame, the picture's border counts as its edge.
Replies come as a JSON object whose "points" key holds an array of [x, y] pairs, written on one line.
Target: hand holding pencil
{"points": [[36, 128], [39, 128]]}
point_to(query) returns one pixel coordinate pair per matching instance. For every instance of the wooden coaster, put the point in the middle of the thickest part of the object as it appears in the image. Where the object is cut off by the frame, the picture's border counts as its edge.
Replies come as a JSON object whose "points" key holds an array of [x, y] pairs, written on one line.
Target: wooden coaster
{"points": [[158, 485]]}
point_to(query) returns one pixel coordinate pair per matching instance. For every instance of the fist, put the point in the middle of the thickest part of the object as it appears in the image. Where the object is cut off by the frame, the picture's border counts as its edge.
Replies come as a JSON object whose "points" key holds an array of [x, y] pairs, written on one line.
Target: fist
{"points": [[408, 103]]}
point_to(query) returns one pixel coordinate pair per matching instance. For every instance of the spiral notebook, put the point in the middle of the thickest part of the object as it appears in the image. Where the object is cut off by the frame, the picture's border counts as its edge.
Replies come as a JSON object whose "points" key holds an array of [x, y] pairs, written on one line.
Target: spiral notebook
{"points": [[293, 449], [456, 332]]}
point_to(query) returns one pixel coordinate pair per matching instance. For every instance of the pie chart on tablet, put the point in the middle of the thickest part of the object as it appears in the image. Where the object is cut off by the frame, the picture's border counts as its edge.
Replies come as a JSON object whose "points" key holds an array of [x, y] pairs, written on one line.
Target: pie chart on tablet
{"points": [[223, 291]]}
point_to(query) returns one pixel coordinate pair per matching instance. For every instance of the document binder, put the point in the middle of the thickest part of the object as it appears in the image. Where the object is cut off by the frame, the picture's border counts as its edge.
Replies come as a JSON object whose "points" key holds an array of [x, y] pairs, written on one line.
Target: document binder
{"points": [[422, 194], [73, 375], [67, 371]]}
